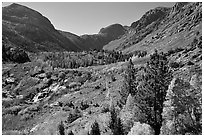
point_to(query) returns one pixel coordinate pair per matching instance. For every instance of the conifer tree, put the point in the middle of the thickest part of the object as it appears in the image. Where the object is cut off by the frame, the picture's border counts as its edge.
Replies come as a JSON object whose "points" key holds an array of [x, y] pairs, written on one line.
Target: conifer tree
{"points": [[152, 89], [115, 123], [130, 72], [95, 129], [61, 128]]}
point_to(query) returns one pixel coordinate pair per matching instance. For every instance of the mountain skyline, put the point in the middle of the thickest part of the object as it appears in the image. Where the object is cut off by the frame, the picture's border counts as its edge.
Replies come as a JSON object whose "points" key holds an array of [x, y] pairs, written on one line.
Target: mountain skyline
{"points": [[72, 18]]}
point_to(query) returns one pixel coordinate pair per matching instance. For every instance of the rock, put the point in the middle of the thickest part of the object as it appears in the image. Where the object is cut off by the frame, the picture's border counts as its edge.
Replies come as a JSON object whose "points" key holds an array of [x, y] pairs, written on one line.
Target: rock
{"points": [[11, 75], [56, 87], [10, 80], [49, 74], [14, 54], [74, 84], [194, 81], [55, 78], [36, 71], [41, 76], [40, 96], [54, 104], [31, 108], [141, 129], [61, 75], [19, 97]]}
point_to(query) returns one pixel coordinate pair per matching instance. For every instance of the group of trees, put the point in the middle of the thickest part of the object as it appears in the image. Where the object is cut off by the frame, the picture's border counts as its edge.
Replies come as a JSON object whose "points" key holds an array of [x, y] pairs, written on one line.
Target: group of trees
{"points": [[85, 59], [150, 91], [149, 88]]}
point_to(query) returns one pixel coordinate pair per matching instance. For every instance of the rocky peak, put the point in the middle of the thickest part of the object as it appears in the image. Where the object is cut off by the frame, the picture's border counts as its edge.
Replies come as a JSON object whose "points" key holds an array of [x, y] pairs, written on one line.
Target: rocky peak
{"points": [[114, 29], [178, 6], [149, 17]]}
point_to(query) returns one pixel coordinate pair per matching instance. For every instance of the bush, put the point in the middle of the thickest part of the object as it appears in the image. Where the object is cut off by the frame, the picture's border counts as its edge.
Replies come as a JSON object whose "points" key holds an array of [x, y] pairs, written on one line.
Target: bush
{"points": [[84, 106], [175, 65], [70, 133], [105, 109], [190, 63]]}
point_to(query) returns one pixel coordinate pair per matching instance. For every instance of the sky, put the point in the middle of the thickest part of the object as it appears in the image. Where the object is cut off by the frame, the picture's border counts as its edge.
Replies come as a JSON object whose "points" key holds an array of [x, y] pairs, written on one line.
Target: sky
{"points": [[89, 17]]}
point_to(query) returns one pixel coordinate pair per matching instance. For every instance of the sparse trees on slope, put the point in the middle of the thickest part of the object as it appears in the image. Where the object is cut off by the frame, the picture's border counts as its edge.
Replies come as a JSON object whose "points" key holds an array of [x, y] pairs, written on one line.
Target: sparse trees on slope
{"points": [[151, 91]]}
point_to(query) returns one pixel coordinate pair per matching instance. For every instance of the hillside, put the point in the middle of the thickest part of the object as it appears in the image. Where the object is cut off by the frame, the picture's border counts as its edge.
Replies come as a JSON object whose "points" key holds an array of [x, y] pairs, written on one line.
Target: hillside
{"points": [[29, 30], [128, 88], [97, 41], [171, 28]]}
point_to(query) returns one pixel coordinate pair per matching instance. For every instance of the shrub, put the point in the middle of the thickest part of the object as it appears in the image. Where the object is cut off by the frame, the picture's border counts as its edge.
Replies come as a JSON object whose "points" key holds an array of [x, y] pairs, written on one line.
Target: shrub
{"points": [[105, 109], [70, 133], [190, 63], [84, 106], [175, 65]]}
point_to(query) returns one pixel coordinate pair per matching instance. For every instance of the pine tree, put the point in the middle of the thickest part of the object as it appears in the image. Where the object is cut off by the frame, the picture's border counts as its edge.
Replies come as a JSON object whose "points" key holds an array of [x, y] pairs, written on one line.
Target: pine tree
{"points": [[115, 122], [130, 72], [61, 128], [152, 89], [95, 129]]}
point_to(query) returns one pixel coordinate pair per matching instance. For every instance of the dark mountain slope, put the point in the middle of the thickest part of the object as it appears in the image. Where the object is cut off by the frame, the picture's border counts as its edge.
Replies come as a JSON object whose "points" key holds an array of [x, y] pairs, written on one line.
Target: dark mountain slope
{"points": [[29, 30], [97, 41]]}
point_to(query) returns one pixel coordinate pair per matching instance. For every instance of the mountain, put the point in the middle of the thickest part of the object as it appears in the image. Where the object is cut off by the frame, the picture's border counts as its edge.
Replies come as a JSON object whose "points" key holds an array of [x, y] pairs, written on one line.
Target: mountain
{"points": [[162, 28], [67, 92], [97, 41], [29, 30]]}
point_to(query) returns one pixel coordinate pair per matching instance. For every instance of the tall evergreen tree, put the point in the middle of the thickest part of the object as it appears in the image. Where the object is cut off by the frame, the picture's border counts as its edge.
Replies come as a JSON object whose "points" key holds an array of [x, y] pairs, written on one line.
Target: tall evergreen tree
{"points": [[130, 77], [152, 89], [95, 129], [61, 128], [115, 123]]}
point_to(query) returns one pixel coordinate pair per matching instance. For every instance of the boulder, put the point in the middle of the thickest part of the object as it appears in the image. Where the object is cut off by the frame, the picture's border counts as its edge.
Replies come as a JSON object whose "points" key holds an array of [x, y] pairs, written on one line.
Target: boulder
{"points": [[42, 75], [10, 80], [141, 129], [74, 84], [56, 87], [37, 70], [40, 96]]}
